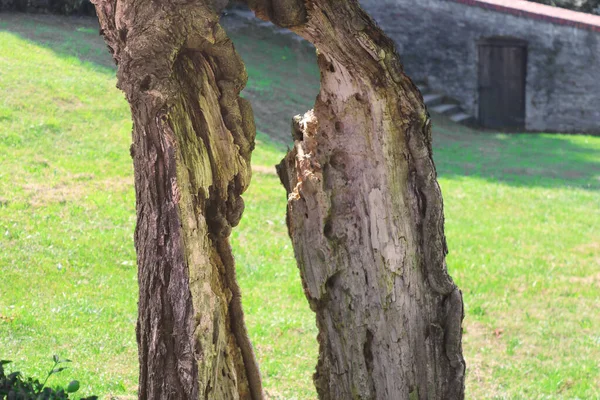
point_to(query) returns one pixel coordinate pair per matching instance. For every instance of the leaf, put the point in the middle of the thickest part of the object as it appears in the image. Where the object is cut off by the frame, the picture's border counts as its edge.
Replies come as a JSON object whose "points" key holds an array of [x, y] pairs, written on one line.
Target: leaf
{"points": [[2, 364], [56, 359], [57, 370], [13, 376], [73, 387]]}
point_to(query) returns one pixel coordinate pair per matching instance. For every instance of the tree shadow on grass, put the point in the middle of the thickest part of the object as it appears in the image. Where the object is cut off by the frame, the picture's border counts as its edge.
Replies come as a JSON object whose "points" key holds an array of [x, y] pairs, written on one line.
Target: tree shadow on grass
{"points": [[283, 76], [283, 73], [67, 36], [546, 160], [284, 81]]}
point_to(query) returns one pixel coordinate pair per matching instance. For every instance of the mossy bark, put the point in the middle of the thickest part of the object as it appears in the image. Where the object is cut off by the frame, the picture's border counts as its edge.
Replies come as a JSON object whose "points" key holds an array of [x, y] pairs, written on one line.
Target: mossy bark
{"points": [[192, 139], [365, 210]]}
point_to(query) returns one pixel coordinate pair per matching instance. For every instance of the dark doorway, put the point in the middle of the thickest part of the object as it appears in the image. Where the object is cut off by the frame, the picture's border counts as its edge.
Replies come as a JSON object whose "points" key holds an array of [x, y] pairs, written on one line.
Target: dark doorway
{"points": [[502, 71]]}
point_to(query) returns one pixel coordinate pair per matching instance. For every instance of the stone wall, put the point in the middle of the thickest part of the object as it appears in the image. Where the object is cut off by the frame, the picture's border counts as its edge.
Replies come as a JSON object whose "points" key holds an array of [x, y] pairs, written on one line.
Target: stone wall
{"points": [[437, 41], [67, 7]]}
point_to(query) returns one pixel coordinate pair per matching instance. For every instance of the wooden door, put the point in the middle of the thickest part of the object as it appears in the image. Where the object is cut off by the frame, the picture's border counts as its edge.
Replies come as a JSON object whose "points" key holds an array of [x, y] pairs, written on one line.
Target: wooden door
{"points": [[502, 72]]}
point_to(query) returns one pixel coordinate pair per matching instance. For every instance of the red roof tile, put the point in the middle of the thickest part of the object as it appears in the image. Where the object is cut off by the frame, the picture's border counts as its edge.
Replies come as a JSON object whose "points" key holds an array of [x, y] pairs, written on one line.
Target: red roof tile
{"points": [[538, 11]]}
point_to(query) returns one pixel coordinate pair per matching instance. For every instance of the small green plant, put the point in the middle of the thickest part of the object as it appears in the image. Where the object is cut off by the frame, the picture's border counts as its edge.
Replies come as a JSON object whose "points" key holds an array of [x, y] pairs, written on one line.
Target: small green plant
{"points": [[478, 311], [15, 386]]}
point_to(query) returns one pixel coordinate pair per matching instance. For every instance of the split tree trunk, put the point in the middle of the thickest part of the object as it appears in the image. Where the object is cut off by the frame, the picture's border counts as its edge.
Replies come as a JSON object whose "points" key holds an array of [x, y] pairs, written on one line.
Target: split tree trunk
{"points": [[192, 139], [365, 216], [365, 211]]}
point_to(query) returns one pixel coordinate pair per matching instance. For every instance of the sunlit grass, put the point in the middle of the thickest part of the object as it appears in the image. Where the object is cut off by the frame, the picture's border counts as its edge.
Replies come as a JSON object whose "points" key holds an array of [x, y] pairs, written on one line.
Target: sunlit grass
{"points": [[522, 220]]}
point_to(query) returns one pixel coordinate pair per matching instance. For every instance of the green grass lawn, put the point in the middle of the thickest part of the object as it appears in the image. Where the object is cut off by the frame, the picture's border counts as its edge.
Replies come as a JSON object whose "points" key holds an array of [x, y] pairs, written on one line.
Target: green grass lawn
{"points": [[523, 227]]}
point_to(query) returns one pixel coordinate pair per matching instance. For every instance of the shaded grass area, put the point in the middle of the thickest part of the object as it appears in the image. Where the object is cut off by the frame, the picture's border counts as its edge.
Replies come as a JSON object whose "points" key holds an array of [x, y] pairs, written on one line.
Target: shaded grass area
{"points": [[524, 160], [283, 77], [523, 226], [273, 62], [68, 37]]}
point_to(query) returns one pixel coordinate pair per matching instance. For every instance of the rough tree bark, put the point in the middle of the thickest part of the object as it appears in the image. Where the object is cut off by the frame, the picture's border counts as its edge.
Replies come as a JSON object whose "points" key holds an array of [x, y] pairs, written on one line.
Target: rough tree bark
{"points": [[192, 139], [365, 216], [365, 211]]}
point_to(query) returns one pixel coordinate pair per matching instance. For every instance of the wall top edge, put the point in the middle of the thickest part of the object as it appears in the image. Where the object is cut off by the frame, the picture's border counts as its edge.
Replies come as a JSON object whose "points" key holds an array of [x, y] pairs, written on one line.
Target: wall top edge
{"points": [[528, 9]]}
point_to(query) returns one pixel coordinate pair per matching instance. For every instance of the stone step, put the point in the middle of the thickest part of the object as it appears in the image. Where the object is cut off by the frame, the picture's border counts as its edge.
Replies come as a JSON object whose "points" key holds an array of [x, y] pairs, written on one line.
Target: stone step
{"points": [[462, 118], [240, 13], [432, 99], [435, 101], [247, 16], [421, 85], [424, 89], [445, 108]]}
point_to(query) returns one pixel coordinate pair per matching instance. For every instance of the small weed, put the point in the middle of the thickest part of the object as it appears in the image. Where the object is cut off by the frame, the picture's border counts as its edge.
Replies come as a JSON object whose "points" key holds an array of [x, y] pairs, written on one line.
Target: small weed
{"points": [[478, 311], [512, 345], [15, 386]]}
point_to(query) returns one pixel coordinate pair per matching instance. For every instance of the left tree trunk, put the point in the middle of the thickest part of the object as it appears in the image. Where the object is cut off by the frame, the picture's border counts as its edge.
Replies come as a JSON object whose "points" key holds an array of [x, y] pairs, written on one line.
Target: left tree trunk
{"points": [[192, 140]]}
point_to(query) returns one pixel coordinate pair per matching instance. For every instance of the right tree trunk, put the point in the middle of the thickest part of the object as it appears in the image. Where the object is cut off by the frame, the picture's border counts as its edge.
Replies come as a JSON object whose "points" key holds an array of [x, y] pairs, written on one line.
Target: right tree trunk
{"points": [[366, 219]]}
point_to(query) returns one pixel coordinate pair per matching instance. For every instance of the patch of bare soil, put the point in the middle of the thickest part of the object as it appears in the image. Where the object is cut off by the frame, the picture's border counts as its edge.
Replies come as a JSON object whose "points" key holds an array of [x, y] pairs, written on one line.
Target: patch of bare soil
{"points": [[74, 188], [262, 169], [480, 365]]}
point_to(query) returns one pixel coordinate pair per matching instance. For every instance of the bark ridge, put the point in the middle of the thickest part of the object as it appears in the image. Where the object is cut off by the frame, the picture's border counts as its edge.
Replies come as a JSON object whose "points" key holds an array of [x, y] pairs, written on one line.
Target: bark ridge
{"points": [[192, 140], [365, 215]]}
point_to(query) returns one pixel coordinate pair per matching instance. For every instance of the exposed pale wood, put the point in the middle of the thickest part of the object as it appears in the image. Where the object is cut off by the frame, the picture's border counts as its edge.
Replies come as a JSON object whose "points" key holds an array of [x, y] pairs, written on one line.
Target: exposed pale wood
{"points": [[365, 210], [366, 219]]}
